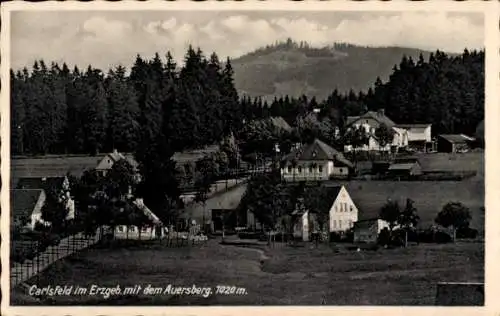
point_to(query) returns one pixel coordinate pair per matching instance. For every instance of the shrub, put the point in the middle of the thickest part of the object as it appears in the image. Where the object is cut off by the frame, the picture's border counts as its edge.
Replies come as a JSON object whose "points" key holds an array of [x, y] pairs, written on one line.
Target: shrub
{"points": [[430, 236], [384, 237], [467, 233], [335, 237]]}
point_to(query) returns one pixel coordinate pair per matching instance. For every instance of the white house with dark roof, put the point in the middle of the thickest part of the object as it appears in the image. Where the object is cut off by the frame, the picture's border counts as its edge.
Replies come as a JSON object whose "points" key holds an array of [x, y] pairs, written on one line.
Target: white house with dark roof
{"points": [[403, 134], [343, 213], [26, 207], [152, 230], [107, 162], [314, 162]]}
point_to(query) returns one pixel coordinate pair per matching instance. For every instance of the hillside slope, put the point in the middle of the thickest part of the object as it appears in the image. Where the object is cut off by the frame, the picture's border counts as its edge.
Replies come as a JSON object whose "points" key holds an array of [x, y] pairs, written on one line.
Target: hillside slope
{"points": [[290, 69]]}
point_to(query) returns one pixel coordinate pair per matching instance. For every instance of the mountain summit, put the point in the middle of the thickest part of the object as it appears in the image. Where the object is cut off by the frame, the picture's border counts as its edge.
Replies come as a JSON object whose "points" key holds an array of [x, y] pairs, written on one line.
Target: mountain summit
{"points": [[291, 68]]}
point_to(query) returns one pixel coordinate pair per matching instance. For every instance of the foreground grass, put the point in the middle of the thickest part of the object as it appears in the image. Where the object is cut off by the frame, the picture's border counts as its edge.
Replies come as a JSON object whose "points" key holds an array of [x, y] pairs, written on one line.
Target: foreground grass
{"points": [[295, 276]]}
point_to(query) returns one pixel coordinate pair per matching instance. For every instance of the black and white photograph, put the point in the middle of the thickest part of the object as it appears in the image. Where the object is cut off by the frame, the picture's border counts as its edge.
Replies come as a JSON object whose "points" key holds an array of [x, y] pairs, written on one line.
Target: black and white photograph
{"points": [[245, 157]]}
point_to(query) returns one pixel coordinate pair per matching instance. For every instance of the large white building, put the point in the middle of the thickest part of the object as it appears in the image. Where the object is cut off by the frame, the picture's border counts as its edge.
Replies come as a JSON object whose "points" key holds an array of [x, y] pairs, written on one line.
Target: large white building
{"points": [[315, 162], [403, 134]]}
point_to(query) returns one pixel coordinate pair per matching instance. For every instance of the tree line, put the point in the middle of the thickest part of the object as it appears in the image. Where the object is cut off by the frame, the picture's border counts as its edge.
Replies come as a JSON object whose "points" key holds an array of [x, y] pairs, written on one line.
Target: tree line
{"points": [[56, 110]]}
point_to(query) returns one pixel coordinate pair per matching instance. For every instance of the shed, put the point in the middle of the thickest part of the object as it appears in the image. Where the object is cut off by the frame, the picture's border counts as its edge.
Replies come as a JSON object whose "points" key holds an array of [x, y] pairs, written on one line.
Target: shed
{"points": [[452, 143]]}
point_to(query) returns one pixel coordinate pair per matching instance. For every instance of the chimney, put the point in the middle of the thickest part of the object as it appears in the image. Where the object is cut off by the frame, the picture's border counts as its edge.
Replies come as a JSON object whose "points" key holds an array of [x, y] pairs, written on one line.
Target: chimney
{"points": [[115, 151], [381, 112]]}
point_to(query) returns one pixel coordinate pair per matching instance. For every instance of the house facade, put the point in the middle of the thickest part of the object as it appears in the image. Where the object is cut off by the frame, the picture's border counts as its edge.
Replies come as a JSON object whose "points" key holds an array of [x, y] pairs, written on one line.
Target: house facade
{"points": [[107, 162], [403, 135], [419, 135], [152, 230], [51, 185], [343, 213], [316, 161], [367, 231], [26, 207]]}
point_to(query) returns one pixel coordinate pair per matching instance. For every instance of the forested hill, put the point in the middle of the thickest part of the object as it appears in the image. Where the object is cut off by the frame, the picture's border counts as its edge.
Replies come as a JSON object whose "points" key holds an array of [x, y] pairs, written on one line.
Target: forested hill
{"points": [[294, 69]]}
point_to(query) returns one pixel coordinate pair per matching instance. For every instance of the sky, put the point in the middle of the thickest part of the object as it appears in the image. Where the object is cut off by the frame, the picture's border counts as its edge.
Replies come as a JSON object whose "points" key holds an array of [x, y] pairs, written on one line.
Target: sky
{"points": [[106, 39]]}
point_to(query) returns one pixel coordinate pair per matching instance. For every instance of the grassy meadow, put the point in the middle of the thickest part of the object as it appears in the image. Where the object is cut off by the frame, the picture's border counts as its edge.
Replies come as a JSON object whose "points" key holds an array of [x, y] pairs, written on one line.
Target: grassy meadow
{"points": [[283, 276]]}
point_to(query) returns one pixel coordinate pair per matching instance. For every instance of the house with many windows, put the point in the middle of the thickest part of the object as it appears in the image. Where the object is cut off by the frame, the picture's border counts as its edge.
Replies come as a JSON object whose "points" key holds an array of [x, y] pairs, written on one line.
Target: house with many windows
{"points": [[315, 161], [404, 135], [343, 213]]}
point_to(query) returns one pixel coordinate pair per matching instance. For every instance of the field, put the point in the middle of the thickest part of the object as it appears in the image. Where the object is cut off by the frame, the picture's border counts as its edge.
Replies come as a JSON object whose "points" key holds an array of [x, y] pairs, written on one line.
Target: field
{"points": [[429, 196], [290, 276]]}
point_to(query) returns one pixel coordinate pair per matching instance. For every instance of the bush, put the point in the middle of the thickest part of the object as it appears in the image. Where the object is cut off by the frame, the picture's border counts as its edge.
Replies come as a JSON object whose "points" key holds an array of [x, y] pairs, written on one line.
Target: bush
{"points": [[430, 236], [384, 237], [335, 237], [467, 233]]}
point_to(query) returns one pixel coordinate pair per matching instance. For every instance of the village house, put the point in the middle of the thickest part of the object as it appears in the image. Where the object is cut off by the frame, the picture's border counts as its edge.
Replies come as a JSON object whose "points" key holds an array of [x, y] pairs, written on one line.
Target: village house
{"points": [[367, 231], [152, 230], [419, 136], [370, 122], [404, 135], [26, 208], [315, 162], [343, 213], [52, 185], [107, 162], [454, 143]]}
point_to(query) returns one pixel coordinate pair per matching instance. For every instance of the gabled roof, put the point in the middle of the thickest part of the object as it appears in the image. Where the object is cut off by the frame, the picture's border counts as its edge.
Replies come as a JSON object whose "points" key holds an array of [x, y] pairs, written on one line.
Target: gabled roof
{"points": [[139, 203], [456, 138], [22, 203], [318, 150], [40, 183], [379, 117]]}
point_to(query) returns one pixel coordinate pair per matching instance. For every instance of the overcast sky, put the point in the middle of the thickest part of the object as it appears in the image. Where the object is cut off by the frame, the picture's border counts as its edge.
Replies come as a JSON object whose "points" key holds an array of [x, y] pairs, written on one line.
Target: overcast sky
{"points": [[109, 38]]}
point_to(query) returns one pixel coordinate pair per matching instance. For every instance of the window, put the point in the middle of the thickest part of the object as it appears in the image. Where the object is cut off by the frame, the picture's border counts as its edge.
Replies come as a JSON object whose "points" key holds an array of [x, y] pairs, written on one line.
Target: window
{"points": [[120, 229], [340, 224], [345, 207], [131, 228], [320, 168], [310, 169], [352, 208], [334, 224], [289, 168], [144, 229], [341, 170], [300, 169]]}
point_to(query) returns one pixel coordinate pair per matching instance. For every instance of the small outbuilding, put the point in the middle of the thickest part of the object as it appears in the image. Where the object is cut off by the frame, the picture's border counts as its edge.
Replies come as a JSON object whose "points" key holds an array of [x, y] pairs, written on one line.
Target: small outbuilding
{"points": [[454, 143]]}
